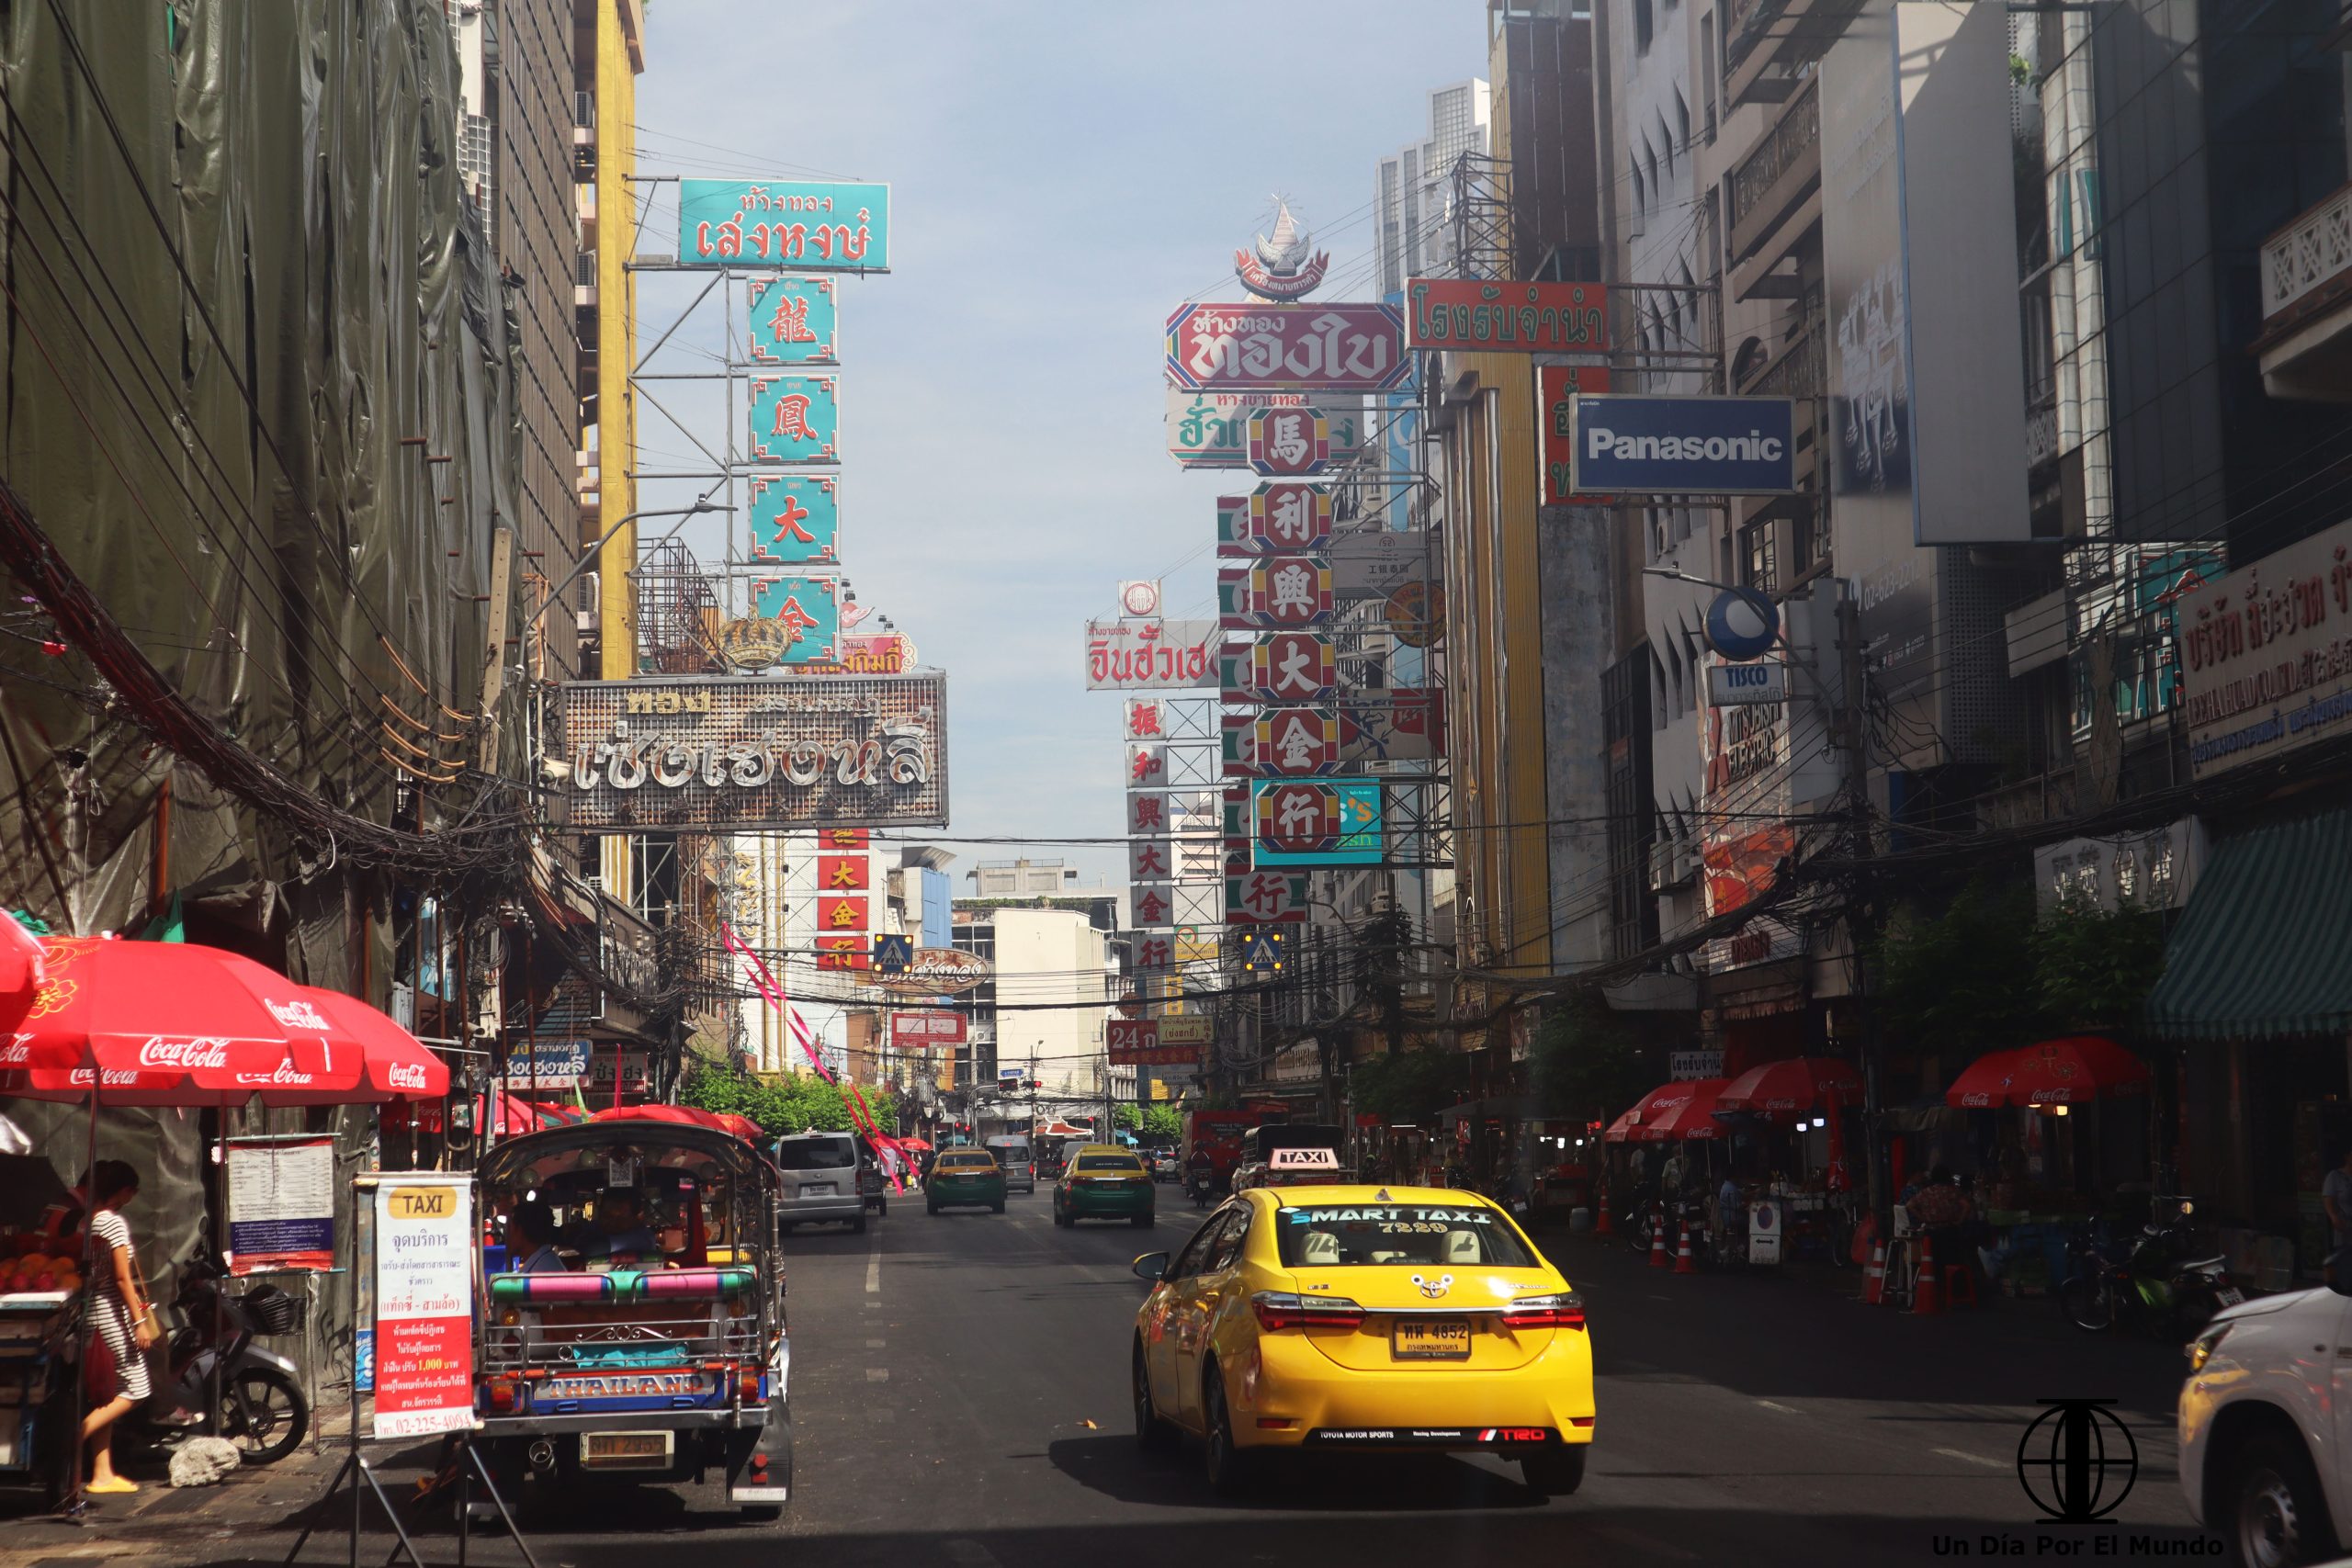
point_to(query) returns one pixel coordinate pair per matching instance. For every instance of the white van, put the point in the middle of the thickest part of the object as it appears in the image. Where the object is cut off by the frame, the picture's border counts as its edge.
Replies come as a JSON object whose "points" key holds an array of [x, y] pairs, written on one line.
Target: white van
{"points": [[1019, 1161]]}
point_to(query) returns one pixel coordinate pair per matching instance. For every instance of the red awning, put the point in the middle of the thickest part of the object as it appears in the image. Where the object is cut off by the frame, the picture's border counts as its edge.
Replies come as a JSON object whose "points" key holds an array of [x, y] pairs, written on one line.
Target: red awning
{"points": [[687, 1116], [1782, 1090], [1682, 1110], [2071, 1071]]}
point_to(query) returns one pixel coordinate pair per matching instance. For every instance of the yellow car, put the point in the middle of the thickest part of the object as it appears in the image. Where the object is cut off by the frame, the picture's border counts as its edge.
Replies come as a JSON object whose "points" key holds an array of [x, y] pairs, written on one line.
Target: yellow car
{"points": [[1359, 1317]]}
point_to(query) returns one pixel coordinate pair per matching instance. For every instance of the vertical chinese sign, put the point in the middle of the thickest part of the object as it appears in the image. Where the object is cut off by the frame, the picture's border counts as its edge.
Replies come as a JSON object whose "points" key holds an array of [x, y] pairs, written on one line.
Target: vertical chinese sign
{"points": [[425, 1304]]}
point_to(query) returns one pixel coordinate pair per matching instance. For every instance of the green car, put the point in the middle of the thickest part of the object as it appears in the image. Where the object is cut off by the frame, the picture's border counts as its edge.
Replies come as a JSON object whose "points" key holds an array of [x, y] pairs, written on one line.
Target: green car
{"points": [[964, 1178], [1104, 1182]]}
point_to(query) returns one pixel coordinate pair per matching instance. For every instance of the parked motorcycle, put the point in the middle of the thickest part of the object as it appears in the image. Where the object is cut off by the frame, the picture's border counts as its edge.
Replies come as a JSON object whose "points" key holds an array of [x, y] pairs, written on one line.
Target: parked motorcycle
{"points": [[2156, 1276], [261, 1406]]}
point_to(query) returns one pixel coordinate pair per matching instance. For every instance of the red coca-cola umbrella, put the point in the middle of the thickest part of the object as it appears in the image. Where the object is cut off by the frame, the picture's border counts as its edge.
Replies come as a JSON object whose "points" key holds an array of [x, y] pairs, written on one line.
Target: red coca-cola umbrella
{"points": [[395, 1064], [170, 1023], [1693, 1118], [1784, 1090], [1640, 1125], [1984, 1084], [2075, 1071]]}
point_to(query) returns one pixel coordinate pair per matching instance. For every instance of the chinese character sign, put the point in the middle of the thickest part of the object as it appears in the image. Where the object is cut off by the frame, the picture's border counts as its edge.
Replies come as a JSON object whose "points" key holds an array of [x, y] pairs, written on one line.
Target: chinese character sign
{"points": [[1144, 719], [1288, 666], [1146, 766], [812, 225], [795, 419], [842, 873], [1154, 904], [1155, 953], [1289, 441], [792, 320], [1288, 515], [1147, 815], [1150, 859], [795, 518], [805, 612], [1290, 591], [1318, 822], [1266, 898], [843, 953], [839, 912], [1211, 430], [1292, 741]]}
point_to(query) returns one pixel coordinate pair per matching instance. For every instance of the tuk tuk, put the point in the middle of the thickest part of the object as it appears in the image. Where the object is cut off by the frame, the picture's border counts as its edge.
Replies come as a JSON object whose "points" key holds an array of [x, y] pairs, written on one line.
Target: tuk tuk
{"points": [[647, 1340]]}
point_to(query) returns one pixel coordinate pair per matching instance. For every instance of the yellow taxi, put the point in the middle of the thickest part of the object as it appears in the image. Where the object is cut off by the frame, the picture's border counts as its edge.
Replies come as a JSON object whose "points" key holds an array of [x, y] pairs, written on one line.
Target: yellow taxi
{"points": [[1359, 1317]]}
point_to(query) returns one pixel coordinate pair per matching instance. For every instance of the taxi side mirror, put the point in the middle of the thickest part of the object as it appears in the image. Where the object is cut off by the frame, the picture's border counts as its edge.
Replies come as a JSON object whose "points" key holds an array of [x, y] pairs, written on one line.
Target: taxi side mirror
{"points": [[1151, 1267]]}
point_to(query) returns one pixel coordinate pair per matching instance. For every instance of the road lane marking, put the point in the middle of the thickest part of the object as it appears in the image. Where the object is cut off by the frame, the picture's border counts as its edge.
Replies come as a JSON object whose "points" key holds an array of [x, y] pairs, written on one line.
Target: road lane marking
{"points": [[877, 1374], [876, 1345], [1783, 1409], [874, 1267], [1973, 1459]]}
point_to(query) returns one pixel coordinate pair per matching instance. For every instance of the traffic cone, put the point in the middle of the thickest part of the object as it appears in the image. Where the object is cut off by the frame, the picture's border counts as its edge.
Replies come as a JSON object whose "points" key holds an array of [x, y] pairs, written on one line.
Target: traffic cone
{"points": [[1926, 1295], [1601, 1222], [1657, 1241], [1682, 1261], [1875, 1277]]}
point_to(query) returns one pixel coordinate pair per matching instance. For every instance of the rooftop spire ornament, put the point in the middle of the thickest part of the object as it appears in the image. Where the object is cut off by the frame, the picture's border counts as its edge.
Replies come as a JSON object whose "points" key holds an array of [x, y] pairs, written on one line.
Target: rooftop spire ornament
{"points": [[1278, 268]]}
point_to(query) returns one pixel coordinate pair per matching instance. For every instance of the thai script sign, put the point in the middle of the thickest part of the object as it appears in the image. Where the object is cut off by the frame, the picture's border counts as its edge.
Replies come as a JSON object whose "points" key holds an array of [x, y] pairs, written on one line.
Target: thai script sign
{"points": [[1351, 348], [1187, 1029], [1556, 386], [424, 1305], [792, 320], [281, 1204], [2268, 654], [939, 972], [916, 1029], [1626, 443], [549, 1064], [1150, 655], [806, 612], [1528, 317], [816, 226], [1211, 430], [795, 419], [1318, 822], [795, 518], [749, 754]]}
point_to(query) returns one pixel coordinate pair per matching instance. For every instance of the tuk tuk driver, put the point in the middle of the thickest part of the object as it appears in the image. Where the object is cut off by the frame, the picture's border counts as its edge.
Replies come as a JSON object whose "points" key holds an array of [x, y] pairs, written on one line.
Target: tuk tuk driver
{"points": [[620, 1228]]}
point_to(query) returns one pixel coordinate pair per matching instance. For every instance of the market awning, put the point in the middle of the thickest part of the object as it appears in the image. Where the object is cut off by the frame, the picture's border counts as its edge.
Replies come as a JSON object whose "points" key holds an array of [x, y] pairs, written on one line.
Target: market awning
{"points": [[2264, 948], [1800, 1085]]}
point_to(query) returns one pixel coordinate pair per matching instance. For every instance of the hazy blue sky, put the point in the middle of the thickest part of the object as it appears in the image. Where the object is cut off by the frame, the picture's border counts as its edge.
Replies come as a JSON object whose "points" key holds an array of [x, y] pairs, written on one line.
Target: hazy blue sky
{"points": [[1064, 173]]}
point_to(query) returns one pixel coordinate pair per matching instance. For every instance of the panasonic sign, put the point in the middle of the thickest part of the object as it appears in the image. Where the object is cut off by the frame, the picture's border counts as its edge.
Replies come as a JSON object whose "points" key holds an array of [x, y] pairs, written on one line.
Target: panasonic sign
{"points": [[1633, 444]]}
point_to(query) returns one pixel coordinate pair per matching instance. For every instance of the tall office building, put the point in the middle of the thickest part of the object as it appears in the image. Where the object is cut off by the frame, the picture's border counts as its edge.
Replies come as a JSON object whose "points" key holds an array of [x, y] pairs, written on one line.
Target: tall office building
{"points": [[1410, 201]]}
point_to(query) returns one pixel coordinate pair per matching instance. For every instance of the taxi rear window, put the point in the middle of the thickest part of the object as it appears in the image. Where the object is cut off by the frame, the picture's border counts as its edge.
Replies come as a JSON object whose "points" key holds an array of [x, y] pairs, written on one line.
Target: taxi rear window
{"points": [[1343, 1236], [1126, 1163], [980, 1161]]}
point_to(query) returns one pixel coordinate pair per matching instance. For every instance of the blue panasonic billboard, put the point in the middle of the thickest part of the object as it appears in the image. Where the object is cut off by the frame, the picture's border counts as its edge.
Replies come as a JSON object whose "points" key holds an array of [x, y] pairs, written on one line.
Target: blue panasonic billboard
{"points": [[1627, 444]]}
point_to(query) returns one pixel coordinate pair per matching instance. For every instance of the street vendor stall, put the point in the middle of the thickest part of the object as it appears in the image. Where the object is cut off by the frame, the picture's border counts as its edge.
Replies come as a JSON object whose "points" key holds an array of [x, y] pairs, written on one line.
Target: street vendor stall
{"points": [[116, 1023]]}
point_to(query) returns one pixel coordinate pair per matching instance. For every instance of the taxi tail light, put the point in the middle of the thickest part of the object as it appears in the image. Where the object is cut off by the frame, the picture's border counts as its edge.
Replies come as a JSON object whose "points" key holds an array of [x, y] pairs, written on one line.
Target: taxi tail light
{"points": [[1277, 1311], [1563, 1311], [502, 1393], [747, 1385]]}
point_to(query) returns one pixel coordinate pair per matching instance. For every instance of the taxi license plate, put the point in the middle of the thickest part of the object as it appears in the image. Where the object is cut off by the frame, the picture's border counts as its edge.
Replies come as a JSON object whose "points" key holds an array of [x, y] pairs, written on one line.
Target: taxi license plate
{"points": [[1430, 1339], [625, 1450]]}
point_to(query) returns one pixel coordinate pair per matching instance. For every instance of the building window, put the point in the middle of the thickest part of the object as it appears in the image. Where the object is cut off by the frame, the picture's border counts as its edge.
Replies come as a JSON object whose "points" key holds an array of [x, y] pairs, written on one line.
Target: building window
{"points": [[1645, 26], [1759, 559], [1707, 74]]}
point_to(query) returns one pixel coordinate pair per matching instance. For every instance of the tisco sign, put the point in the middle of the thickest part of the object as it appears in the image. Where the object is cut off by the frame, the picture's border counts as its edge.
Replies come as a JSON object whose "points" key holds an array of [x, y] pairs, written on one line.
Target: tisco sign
{"points": [[1735, 685]]}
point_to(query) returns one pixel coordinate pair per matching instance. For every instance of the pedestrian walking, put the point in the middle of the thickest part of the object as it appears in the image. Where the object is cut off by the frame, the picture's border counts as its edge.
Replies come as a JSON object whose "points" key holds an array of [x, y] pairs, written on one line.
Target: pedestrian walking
{"points": [[123, 1314]]}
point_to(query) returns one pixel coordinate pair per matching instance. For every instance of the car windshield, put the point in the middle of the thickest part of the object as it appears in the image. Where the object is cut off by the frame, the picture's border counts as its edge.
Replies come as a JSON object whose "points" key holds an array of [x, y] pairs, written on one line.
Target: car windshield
{"points": [[1331, 1236], [1010, 1153], [1108, 1162], [815, 1153]]}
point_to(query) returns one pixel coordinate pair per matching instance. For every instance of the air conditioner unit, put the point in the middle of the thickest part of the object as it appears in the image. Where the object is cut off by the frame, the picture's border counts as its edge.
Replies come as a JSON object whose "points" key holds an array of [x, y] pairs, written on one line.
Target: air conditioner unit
{"points": [[1673, 864], [591, 595]]}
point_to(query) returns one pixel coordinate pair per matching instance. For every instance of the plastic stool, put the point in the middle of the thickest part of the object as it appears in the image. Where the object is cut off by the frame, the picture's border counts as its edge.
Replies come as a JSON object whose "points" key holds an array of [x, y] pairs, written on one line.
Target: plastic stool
{"points": [[1960, 1285], [1901, 1258]]}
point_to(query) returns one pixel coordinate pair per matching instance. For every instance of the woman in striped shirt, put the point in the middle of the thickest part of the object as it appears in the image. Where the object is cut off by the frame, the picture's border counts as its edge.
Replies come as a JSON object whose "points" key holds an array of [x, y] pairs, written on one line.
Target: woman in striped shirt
{"points": [[119, 1306]]}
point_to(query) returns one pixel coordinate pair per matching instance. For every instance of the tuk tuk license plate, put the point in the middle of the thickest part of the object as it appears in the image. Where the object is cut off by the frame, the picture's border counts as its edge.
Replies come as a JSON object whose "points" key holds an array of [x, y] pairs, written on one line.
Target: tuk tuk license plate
{"points": [[625, 1450], [1430, 1339]]}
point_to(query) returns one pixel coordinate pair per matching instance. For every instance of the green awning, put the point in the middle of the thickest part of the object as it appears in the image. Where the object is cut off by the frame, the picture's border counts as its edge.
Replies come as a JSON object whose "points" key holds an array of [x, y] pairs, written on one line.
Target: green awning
{"points": [[2264, 948]]}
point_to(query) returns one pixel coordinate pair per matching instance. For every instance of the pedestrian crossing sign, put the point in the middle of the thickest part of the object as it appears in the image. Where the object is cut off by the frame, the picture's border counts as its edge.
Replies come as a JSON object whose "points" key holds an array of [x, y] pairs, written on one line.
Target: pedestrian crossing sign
{"points": [[1261, 953], [892, 955]]}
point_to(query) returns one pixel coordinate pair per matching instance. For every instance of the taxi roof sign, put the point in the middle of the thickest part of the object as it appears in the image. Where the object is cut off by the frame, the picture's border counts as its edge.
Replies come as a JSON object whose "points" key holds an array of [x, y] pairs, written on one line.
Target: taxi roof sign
{"points": [[1303, 1159]]}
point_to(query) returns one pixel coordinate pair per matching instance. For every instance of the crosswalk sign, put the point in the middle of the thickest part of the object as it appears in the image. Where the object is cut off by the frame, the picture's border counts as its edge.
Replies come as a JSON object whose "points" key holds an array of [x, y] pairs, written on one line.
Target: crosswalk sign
{"points": [[1261, 953], [892, 955]]}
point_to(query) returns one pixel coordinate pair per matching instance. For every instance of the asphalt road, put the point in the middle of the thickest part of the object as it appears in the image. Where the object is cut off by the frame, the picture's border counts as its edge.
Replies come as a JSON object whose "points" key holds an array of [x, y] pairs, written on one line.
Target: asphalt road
{"points": [[959, 1387]]}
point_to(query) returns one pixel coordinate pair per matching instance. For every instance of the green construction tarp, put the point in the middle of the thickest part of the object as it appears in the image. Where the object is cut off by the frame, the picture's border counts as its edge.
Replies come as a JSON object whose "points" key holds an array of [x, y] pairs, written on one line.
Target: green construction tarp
{"points": [[2265, 949]]}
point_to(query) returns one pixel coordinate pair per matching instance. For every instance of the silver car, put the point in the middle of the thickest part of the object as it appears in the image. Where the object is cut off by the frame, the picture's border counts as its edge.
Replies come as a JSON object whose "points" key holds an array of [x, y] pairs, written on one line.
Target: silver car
{"points": [[1020, 1164], [820, 1181]]}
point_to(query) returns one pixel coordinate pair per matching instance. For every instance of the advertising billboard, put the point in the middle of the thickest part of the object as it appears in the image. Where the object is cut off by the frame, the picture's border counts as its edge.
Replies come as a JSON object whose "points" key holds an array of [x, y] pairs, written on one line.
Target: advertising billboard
{"points": [[1670, 446], [809, 225], [734, 753], [1278, 347], [1556, 388], [2266, 654], [792, 320], [795, 518], [1211, 430], [1528, 317], [795, 419], [1150, 655], [917, 1031]]}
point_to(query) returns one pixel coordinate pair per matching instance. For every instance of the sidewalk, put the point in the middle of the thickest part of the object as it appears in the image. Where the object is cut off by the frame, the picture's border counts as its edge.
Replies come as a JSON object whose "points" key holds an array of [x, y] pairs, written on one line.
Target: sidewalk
{"points": [[169, 1525]]}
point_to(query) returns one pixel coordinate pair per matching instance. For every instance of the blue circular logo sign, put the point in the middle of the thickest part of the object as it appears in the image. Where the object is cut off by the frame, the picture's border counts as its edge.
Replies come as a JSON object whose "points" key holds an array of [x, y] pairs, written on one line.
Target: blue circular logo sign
{"points": [[1742, 624]]}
